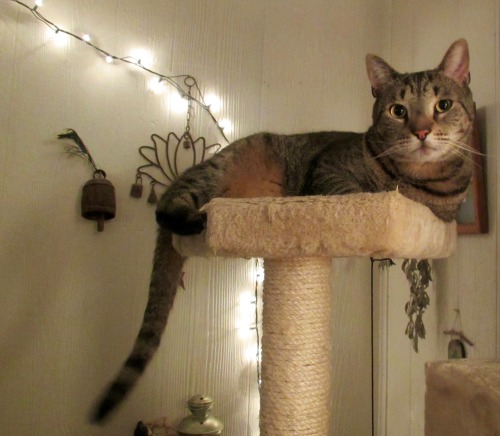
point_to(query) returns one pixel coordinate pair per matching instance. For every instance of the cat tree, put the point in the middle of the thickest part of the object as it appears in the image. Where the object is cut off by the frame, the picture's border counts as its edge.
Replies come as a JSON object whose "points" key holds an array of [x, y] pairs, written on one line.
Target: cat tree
{"points": [[297, 237]]}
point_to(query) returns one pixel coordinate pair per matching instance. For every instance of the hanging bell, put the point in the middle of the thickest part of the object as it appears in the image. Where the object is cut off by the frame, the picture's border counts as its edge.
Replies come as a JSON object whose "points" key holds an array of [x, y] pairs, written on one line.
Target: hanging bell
{"points": [[187, 143], [456, 349], [98, 200], [201, 422], [153, 198], [136, 189]]}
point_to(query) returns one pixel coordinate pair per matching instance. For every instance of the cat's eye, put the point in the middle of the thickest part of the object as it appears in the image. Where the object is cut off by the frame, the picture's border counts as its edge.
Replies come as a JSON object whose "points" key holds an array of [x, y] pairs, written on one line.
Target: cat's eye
{"points": [[398, 111], [443, 106]]}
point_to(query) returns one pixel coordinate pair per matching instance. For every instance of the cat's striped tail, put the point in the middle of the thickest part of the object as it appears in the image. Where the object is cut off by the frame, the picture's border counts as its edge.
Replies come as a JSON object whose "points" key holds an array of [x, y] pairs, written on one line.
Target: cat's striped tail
{"points": [[167, 268]]}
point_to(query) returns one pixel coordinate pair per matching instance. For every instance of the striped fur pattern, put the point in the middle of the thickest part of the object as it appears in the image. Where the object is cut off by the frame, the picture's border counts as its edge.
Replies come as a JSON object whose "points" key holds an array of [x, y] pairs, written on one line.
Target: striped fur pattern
{"points": [[418, 143]]}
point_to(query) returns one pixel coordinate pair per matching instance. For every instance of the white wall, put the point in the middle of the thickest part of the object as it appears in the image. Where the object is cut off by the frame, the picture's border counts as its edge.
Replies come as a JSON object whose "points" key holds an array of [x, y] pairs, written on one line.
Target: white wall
{"points": [[71, 300]]}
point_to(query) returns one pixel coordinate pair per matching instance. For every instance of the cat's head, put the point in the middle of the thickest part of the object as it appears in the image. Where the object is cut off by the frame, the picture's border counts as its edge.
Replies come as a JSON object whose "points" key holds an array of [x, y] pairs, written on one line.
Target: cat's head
{"points": [[426, 116]]}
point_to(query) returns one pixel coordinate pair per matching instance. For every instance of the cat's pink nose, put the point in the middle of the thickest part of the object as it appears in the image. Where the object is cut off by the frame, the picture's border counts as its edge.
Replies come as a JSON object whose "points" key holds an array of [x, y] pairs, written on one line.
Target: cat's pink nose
{"points": [[421, 134]]}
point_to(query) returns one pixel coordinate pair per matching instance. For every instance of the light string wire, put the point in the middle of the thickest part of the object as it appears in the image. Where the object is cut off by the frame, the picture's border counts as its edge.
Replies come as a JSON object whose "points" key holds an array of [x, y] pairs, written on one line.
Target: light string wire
{"points": [[171, 80], [258, 281]]}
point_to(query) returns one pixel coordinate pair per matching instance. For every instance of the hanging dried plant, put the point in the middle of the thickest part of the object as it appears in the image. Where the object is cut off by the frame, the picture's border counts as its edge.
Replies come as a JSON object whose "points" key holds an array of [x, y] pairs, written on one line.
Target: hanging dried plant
{"points": [[418, 274]]}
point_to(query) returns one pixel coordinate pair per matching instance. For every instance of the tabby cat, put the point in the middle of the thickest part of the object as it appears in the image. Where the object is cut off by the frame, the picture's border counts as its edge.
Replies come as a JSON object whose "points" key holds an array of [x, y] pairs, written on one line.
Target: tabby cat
{"points": [[418, 143]]}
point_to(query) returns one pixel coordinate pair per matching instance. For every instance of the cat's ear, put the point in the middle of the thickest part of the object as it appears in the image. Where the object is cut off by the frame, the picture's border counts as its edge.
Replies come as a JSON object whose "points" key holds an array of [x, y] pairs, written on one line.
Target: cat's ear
{"points": [[380, 73], [455, 63]]}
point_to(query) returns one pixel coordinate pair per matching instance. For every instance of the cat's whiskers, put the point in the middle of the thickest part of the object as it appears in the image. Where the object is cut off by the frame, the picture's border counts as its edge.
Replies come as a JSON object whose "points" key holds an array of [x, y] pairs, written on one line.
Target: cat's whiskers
{"points": [[455, 147], [463, 146], [394, 148], [463, 153], [463, 150]]}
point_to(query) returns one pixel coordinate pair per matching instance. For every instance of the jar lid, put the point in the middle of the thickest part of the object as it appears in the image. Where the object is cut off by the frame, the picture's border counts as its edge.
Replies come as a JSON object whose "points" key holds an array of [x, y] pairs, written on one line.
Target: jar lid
{"points": [[200, 422], [200, 402]]}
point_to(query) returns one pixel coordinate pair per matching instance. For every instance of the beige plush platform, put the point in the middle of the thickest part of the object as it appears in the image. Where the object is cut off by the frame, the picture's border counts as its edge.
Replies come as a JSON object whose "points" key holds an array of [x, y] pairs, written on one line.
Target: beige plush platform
{"points": [[462, 398], [382, 224]]}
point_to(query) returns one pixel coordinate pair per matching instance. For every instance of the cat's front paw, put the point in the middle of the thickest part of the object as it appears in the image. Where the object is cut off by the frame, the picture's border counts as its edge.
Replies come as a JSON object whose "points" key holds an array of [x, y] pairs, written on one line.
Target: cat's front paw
{"points": [[183, 221]]}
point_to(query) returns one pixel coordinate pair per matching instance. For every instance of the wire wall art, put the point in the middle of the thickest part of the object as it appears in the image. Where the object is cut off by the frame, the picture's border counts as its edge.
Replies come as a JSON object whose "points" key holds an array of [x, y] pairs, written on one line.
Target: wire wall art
{"points": [[165, 156]]}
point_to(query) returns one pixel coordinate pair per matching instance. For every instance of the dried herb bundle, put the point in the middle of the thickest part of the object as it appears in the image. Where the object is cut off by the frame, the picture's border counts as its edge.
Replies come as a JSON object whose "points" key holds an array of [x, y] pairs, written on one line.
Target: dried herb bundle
{"points": [[418, 274]]}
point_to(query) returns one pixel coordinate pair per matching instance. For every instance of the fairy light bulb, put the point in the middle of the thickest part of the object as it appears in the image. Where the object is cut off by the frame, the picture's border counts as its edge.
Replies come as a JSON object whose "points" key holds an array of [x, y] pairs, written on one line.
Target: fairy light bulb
{"points": [[58, 38], [246, 299], [244, 333], [178, 103], [109, 59], [226, 125], [158, 86], [245, 310], [38, 3], [251, 353], [143, 57], [86, 37], [259, 274], [61, 39], [244, 316], [213, 102]]}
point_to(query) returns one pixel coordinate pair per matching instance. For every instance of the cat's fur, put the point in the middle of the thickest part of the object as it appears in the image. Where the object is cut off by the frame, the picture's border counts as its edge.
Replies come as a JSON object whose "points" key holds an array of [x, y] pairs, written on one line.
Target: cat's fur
{"points": [[417, 144]]}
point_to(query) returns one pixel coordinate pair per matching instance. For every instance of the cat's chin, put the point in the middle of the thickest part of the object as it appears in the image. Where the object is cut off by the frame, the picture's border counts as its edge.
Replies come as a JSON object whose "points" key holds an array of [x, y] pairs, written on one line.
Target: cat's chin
{"points": [[425, 152]]}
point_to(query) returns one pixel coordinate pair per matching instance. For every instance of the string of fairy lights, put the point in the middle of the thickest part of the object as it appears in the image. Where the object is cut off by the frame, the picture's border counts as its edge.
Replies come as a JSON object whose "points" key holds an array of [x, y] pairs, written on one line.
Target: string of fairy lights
{"points": [[177, 81], [248, 315]]}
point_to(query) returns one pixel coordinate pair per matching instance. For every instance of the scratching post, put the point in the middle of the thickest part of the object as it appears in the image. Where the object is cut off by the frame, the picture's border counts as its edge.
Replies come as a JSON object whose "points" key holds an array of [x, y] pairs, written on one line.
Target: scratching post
{"points": [[297, 237], [296, 346]]}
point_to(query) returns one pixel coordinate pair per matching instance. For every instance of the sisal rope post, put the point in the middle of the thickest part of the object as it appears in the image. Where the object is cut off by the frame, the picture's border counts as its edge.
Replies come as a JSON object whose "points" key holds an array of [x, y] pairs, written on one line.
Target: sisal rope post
{"points": [[297, 238], [296, 347]]}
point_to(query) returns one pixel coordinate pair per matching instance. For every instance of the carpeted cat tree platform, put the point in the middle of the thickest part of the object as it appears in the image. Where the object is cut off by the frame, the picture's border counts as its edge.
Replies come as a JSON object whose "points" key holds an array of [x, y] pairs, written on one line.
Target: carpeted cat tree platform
{"points": [[297, 237], [462, 398]]}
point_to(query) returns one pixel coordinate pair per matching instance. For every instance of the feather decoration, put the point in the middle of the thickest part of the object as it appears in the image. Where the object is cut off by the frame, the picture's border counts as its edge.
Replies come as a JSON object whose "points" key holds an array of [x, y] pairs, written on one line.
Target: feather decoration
{"points": [[79, 148]]}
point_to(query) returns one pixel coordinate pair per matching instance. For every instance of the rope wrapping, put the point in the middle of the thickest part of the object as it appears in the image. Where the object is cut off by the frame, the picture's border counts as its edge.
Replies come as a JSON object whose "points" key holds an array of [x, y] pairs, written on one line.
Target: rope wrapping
{"points": [[296, 347]]}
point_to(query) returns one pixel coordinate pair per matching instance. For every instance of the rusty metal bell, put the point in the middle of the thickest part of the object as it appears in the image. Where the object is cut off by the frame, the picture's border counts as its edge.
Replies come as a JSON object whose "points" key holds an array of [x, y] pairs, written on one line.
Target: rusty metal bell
{"points": [[98, 200]]}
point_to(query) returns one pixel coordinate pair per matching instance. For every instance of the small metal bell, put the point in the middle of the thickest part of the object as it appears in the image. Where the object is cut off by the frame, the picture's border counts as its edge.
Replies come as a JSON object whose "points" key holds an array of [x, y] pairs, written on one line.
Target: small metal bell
{"points": [[98, 200], [153, 198], [201, 422], [136, 189], [456, 349]]}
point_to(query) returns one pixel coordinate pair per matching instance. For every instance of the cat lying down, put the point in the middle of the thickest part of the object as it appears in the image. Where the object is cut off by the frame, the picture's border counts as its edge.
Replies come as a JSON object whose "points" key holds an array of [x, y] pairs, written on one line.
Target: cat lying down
{"points": [[419, 142]]}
